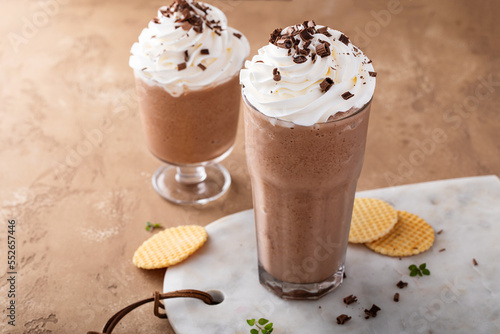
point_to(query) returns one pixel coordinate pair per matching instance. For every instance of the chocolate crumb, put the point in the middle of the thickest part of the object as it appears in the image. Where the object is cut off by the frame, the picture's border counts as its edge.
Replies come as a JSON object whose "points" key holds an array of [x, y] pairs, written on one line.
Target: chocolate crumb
{"points": [[313, 58], [347, 95], [372, 312], [276, 74], [204, 52], [237, 35], [345, 276], [474, 262], [439, 232], [156, 20], [299, 59], [326, 84], [369, 61], [442, 250], [259, 61], [203, 67], [323, 50], [342, 319], [372, 74], [344, 39], [186, 56], [181, 66], [145, 68], [396, 297], [350, 299], [402, 284]]}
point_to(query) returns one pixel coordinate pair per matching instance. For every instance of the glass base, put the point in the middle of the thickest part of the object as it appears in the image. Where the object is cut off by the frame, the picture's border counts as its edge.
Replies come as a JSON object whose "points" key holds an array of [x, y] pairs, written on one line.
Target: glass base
{"points": [[300, 291], [191, 185]]}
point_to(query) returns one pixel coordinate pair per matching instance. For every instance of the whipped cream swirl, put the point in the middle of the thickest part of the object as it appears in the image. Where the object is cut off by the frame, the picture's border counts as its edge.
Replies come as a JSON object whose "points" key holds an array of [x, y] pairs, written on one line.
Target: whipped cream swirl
{"points": [[307, 74], [188, 47]]}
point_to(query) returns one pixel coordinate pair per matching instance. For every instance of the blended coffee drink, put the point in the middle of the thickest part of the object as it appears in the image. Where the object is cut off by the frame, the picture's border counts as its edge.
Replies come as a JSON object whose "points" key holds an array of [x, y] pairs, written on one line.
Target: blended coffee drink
{"points": [[307, 103], [186, 66]]}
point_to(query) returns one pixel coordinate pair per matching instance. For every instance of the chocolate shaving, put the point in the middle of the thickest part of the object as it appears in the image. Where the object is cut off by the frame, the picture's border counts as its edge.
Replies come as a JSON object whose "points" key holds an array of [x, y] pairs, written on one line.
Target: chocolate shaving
{"points": [[350, 299], [274, 35], [156, 20], [285, 43], [323, 50], [402, 284], [372, 312], [311, 24], [276, 74], [347, 95], [186, 56], [313, 58], [203, 67], [442, 250], [237, 35], [326, 84], [181, 66], [324, 31], [204, 52], [474, 262], [342, 319], [305, 35], [145, 68], [439, 232], [396, 297], [344, 39], [299, 59], [372, 74]]}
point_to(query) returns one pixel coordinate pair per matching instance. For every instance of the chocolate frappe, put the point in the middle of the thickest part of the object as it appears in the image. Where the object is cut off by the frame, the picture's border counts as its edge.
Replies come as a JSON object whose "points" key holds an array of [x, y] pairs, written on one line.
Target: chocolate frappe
{"points": [[307, 104], [186, 65]]}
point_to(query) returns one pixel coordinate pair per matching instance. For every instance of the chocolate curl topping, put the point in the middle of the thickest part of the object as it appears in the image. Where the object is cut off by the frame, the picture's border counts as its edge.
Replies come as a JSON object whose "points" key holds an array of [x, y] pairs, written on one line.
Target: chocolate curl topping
{"points": [[323, 50], [299, 59], [324, 31], [305, 35], [326, 84], [274, 35], [191, 16], [344, 39], [347, 95], [276, 74]]}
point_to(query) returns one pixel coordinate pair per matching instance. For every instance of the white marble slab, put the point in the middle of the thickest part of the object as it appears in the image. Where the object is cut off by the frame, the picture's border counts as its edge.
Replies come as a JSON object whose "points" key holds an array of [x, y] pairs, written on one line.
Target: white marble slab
{"points": [[458, 297]]}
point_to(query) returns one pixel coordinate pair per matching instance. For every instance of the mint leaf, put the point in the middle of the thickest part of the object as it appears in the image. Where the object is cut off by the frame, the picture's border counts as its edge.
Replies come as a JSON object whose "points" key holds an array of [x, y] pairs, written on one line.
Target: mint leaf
{"points": [[426, 272], [251, 322], [254, 331], [412, 267], [422, 266], [263, 321], [269, 326]]}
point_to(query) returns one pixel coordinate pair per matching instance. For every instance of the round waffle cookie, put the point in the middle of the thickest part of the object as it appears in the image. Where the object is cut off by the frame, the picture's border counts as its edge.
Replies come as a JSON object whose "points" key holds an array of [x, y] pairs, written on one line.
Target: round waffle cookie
{"points": [[371, 220], [411, 235], [170, 247]]}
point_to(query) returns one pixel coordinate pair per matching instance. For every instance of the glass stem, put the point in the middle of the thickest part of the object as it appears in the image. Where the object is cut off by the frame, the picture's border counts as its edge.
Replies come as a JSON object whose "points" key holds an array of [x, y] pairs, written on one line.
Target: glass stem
{"points": [[190, 175]]}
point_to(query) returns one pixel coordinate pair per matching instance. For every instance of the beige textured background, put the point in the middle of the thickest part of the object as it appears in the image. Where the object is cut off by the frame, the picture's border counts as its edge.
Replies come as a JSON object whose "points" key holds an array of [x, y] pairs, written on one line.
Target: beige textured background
{"points": [[75, 173]]}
